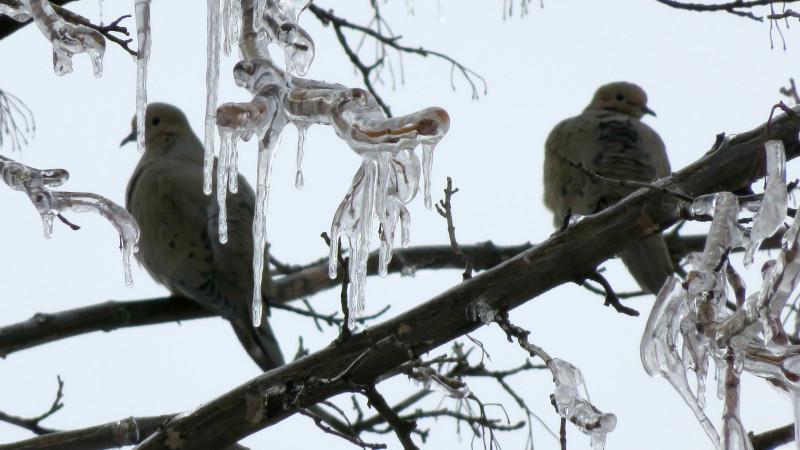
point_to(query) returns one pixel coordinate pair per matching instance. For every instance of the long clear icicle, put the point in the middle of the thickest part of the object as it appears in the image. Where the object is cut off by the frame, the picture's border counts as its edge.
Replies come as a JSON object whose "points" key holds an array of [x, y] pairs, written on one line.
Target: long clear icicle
{"points": [[773, 207], [142, 57], [266, 156], [212, 88]]}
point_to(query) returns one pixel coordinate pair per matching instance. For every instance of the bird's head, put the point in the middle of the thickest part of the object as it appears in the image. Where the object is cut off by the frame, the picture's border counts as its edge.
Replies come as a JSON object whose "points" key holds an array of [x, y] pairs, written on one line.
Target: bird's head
{"points": [[164, 124], [622, 97]]}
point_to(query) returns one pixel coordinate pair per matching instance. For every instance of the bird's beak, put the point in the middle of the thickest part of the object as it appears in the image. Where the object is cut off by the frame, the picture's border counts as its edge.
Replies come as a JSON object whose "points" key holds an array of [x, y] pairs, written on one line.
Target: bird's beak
{"points": [[647, 110], [129, 138]]}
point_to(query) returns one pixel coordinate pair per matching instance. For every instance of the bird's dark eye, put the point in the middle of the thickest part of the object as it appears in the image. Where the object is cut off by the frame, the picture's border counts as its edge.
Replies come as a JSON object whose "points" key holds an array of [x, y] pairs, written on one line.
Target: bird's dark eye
{"points": [[620, 97], [156, 120]]}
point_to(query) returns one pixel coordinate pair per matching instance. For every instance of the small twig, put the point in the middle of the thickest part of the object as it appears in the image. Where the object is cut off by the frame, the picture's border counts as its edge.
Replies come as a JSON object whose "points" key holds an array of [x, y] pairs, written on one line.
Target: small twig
{"points": [[445, 209], [67, 222], [354, 440], [791, 91], [513, 331], [106, 30], [620, 295], [32, 424], [783, 107], [629, 183], [611, 298]]}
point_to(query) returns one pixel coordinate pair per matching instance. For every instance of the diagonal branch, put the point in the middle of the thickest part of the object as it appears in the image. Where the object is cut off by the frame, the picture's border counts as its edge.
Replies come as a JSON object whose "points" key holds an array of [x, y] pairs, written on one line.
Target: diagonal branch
{"points": [[367, 355]]}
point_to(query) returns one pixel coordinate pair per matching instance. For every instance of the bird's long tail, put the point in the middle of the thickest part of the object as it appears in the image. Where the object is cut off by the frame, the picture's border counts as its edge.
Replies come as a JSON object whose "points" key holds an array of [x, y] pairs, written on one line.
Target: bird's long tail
{"points": [[649, 262], [260, 343]]}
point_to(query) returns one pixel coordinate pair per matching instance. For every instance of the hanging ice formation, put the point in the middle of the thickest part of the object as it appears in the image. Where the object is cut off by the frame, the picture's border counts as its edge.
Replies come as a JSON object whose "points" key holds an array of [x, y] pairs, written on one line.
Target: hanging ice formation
{"points": [[70, 39], [67, 39], [37, 184], [389, 175], [690, 324]]}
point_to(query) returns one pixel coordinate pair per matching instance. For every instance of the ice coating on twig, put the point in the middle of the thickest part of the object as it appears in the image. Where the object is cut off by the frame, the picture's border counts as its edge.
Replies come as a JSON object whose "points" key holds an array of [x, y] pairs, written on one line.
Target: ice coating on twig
{"points": [[16, 10], [434, 381], [693, 316], [574, 408], [278, 19], [773, 207], [142, 57], [37, 184], [67, 39], [212, 89]]}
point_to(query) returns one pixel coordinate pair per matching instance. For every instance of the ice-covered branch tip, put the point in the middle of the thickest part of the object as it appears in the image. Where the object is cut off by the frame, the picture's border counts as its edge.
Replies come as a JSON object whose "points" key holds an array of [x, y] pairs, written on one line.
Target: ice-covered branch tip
{"points": [[67, 39], [691, 326], [37, 183], [571, 406]]}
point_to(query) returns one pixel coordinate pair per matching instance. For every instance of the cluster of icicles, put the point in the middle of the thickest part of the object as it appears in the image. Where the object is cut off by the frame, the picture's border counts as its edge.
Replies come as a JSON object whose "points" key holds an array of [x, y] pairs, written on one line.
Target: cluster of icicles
{"points": [[386, 181], [690, 324], [390, 172]]}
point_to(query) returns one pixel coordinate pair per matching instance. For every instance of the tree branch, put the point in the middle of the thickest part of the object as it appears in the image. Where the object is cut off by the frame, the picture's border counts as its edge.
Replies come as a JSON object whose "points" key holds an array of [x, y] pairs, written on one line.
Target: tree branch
{"points": [[367, 355]]}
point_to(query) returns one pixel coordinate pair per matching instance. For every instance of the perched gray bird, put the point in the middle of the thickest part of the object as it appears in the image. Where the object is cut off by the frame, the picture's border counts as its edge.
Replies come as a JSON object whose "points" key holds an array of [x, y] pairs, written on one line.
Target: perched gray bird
{"points": [[609, 139], [179, 243]]}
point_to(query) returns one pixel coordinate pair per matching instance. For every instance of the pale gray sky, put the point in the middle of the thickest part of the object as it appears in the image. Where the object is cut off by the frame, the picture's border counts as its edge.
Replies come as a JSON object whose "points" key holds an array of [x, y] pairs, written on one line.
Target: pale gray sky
{"points": [[704, 73]]}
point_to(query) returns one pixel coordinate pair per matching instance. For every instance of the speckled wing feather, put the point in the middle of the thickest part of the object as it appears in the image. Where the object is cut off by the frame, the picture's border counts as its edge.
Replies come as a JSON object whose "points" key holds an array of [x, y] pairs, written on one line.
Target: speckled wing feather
{"points": [[615, 146]]}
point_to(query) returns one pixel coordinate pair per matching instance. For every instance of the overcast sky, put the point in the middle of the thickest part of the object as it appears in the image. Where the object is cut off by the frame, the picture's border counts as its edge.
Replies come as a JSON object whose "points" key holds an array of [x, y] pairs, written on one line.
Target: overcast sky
{"points": [[704, 74]]}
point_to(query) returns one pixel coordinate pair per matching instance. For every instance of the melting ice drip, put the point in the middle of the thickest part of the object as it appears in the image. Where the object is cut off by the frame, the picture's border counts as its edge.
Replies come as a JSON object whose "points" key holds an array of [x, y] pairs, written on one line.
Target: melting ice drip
{"points": [[389, 175], [37, 183], [751, 338]]}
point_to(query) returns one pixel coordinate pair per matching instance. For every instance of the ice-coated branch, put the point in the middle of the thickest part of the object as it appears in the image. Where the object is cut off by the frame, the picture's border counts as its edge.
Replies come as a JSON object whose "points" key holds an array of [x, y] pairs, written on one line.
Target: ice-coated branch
{"points": [[566, 398], [37, 184], [389, 175], [690, 323], [67, 39]]}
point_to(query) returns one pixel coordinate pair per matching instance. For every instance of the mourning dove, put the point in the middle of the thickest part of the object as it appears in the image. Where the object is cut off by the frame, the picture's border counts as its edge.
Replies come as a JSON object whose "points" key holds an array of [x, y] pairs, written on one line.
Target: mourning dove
{"points": [[609, 139], [179, 243]]}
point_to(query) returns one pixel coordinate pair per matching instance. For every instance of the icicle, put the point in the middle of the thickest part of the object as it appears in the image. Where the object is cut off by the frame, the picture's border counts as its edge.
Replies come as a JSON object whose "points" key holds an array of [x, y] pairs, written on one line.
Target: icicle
{"points": [[212, 87], [233, 165], [353, 220], [773, 207], [100, 8], [226, 139], [232, 24], [267, 149], [142, 57], [301, 137], [659, 348], [427, 168], [67, 39]]}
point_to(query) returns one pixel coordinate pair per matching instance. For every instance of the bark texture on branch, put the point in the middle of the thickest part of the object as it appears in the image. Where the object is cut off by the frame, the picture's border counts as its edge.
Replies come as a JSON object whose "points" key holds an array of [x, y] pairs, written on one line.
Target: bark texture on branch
{"points": [[732, 165]]}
